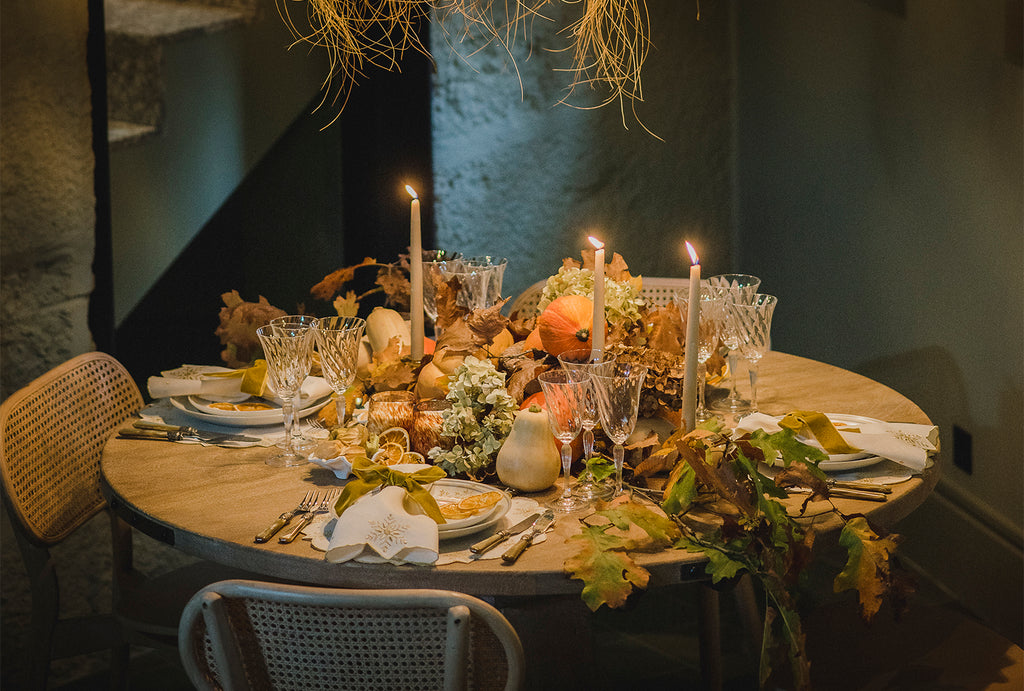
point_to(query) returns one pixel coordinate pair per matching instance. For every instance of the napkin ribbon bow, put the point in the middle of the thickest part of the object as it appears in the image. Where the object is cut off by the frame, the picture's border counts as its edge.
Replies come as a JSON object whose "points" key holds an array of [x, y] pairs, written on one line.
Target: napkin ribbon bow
{"points": [[370, 475], [820, 427]]}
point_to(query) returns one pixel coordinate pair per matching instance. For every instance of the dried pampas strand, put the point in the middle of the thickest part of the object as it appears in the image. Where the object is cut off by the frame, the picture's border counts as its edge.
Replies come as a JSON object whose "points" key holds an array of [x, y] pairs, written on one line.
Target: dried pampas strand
{"points": [[357, 34], [610, 44], [610, 41]]}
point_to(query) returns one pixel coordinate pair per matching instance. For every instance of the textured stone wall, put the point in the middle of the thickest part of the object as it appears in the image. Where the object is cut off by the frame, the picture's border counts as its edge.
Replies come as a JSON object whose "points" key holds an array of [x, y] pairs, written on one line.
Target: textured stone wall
{"points": [[520, 176], [47, 207]]}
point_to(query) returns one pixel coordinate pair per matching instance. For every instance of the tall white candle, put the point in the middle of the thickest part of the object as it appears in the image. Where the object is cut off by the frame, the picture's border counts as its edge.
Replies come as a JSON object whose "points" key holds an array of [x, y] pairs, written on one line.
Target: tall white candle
{"points": [[598, 323], [692, 344], [415, 277]]}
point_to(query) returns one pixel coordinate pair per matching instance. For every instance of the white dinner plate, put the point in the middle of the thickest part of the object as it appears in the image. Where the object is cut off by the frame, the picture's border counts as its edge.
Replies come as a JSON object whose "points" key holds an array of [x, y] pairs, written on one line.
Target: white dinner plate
{"points": [[449, 489], [843, 461], [252, 418]]}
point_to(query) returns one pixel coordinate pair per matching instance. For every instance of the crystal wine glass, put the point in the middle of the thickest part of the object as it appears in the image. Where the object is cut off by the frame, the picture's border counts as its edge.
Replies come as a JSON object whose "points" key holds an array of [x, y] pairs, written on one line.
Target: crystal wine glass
{"points": [[707, 339], [587, 362], [300, 442], [338, 339], [288, 351], [734, 289], [618, 400], [563, 399], [757, 321]]}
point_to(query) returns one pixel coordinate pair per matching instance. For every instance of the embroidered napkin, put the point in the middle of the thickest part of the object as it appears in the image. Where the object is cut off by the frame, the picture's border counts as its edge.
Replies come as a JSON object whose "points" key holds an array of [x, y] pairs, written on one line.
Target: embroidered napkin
{"points": [[905, 443], [378, 528]]}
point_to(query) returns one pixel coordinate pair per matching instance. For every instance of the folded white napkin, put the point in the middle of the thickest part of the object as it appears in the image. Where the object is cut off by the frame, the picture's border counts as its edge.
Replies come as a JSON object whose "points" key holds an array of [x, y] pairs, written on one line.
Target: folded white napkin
{"points": [[193, 380], [905, 443], [378, 528]]}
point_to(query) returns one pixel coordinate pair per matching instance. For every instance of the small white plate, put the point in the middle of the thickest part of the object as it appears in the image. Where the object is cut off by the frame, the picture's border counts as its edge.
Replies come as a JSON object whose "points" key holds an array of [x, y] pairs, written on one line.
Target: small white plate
{"points": [[840, 421], [453, 490], [254, 418]]}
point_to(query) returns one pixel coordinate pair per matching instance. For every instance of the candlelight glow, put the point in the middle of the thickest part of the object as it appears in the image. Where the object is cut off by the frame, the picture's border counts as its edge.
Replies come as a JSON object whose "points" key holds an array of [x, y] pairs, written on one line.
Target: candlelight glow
{"points": [[693, 253], [595, 242], [412, 192]]}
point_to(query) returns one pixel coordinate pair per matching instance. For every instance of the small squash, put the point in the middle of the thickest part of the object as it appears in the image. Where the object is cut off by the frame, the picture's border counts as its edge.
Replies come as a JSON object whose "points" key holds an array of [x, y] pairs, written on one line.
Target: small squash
{"points": [[565, 324], [529, 458], [533, 341], [382, 324]]}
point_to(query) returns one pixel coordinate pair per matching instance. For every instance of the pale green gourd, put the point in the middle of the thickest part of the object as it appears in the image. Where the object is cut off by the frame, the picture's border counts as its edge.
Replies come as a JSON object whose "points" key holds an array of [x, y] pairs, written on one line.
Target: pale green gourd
{"points": [[529, 458]]}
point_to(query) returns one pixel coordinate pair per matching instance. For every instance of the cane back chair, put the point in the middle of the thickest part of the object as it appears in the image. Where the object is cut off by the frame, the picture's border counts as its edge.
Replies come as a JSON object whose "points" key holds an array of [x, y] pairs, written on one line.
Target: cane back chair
{"points": [[656, 290], [242, 634]]}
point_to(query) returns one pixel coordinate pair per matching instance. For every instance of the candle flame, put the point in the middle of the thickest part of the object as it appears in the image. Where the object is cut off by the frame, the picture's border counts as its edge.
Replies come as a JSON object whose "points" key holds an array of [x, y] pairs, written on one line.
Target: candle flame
{"points": [[693, 253], [595, 242], [412, 192]]}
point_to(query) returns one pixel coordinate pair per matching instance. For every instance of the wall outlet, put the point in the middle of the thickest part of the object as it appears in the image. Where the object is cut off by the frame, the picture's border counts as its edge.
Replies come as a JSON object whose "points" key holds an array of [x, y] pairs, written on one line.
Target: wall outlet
{"points": [[963, 455]]}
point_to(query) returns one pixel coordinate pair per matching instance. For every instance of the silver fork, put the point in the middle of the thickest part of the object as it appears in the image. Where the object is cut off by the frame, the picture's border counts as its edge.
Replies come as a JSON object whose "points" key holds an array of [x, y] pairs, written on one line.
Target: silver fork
{"points": [[316, 423], [323, 507], [306, 504]]}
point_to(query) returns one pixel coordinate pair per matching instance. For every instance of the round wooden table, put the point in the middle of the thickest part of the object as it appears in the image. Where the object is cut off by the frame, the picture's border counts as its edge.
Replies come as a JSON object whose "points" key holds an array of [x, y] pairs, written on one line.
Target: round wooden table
{"points": [[210, 502]]}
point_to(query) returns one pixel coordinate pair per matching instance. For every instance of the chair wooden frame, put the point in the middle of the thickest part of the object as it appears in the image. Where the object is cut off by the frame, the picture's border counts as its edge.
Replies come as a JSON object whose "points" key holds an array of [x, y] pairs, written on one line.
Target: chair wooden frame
{"points": [[242, 634]]}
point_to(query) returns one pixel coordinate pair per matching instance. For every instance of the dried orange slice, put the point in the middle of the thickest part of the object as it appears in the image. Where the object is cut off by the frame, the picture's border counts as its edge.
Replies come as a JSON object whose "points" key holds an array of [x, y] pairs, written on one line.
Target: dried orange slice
{"points": [[389, 454], [412, 457], [475, 502], [452, 512], [394, 435]]}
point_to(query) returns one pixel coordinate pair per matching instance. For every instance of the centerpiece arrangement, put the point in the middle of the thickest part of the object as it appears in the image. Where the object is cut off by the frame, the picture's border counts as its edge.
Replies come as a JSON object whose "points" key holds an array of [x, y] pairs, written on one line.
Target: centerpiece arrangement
{"points": [[697, 488]]}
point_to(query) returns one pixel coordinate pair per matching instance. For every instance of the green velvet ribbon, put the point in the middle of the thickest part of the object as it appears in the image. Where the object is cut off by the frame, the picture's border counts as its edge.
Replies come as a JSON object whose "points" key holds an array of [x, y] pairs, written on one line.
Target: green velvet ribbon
{"points": [[370, 475], [820, 427]]}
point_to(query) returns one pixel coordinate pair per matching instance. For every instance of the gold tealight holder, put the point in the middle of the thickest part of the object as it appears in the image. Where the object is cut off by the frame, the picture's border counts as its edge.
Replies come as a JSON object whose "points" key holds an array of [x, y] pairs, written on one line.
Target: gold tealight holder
{"points": [[427, 422]]}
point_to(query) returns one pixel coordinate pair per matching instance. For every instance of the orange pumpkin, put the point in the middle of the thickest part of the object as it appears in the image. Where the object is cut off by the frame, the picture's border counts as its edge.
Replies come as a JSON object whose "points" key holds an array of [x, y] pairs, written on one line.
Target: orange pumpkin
{"points": [[565, 324], [533, 340]]}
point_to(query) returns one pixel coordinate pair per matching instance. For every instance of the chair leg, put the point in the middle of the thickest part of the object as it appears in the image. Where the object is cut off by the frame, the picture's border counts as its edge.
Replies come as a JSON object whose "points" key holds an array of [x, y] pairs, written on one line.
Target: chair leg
{"points": [[750, 613], [119, 661], [710, 638]]}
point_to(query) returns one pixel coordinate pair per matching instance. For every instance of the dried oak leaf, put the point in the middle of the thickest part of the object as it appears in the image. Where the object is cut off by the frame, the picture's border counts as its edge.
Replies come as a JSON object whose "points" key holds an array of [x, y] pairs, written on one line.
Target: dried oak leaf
{"points": [[522, 376], [666, 329], [347, 305], [395, 284], [446, 294], [389, 371], [487, 323], [868, 568], [332, 283], [237, 329]]}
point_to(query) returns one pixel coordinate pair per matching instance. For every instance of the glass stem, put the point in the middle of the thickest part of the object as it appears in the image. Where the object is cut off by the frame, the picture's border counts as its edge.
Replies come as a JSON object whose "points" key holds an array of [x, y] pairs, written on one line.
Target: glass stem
{"points": [[734, 393], [289, 419], [619, 455], [588, 444], [753, 385], [340, 405], [566, 463]]}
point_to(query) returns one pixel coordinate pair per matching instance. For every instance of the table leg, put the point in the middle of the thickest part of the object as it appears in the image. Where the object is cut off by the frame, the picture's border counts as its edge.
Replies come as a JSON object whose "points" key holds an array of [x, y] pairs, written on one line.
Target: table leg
{"points": [[710, 638]]}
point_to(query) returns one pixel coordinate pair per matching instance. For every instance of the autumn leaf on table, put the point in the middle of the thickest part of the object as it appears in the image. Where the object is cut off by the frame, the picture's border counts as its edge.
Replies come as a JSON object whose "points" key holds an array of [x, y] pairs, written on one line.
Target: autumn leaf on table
{"points": [[868, 568], [487, 323], [522, 374], [608, 572], [389, 372], [666, 330]]}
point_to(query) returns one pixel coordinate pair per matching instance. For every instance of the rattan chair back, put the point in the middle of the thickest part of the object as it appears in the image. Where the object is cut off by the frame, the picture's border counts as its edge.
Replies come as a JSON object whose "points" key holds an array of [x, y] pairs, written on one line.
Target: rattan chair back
{"points": [[242, 634], [655, 290], [52, 433]]}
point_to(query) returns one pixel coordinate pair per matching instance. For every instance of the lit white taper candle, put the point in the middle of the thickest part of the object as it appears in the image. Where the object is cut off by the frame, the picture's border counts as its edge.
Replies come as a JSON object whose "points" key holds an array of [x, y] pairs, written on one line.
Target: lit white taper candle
{"points": [[597, 326], [692, 344], [415, 277]]}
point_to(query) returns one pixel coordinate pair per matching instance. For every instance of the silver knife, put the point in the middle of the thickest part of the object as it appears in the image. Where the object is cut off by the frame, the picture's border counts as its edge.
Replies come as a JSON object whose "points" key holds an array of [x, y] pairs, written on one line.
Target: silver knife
{"points": [[486, 544], [539, 526], [844, 493], [203, 435]]}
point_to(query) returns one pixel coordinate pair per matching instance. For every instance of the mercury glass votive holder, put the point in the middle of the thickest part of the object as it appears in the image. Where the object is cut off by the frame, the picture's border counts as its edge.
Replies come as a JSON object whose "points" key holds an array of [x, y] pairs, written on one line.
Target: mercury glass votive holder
{"points": [[427, 422], [390, 409]]}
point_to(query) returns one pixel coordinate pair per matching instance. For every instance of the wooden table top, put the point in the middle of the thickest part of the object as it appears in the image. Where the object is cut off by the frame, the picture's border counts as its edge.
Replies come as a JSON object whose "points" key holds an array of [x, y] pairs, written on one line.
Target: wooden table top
{"points": [[210, 501]]}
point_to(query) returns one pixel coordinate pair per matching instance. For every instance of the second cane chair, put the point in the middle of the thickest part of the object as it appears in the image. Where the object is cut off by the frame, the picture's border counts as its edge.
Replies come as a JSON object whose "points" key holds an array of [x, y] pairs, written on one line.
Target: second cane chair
{"points": [[52, 434], [253, 635]]}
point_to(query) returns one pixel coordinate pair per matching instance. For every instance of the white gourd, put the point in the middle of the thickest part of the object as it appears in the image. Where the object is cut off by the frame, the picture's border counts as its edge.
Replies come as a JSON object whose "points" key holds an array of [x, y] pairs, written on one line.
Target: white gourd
{"points": [[529, 459]]}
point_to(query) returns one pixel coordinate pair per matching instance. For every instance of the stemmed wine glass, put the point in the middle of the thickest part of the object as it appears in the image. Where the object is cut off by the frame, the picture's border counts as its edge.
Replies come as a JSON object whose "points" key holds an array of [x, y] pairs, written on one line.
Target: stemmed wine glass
{"points": [[757, 321], [707, 339], [563, 399], [587, 362], [734, 289], [300, 442], [338, 339], [288, 351], [618, 400]]}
